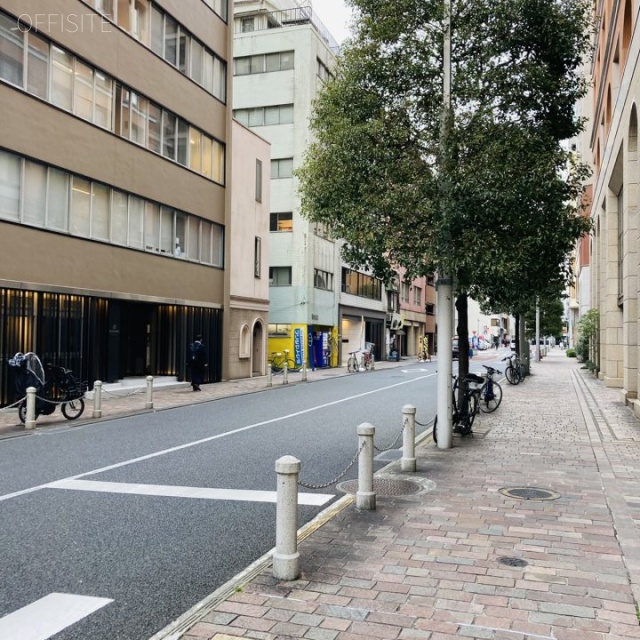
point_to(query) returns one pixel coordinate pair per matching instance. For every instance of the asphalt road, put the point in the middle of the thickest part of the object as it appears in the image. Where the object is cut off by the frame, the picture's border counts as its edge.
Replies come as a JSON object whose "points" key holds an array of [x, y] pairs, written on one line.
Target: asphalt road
{"points": [[152, 557]]}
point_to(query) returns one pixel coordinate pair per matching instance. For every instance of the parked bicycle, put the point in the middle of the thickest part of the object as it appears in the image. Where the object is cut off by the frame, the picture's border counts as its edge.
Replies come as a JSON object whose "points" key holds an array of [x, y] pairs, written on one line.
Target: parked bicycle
{"points": [[361, 363], [514, 372], [490, 394], [464, 408], [61, 388], [277, 360]]}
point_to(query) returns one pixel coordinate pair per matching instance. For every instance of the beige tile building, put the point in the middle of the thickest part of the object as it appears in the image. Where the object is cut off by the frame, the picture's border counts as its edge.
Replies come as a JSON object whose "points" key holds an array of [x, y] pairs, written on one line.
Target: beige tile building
{"points": [[115, 205], [614, 260]]}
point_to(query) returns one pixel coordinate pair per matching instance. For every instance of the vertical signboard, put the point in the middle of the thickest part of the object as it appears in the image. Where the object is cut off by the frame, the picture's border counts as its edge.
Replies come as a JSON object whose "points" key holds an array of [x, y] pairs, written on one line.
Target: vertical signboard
{"points": [[298, 347]]}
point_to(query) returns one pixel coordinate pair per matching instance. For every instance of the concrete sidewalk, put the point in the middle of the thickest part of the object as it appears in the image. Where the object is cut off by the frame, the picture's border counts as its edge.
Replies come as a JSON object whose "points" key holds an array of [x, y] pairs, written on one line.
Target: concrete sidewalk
{"points": [[461, 559]]}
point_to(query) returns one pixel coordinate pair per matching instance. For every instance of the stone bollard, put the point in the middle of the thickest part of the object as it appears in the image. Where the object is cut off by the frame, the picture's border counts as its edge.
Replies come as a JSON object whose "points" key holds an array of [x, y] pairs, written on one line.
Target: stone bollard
{"points": [[269, 375], [365, 496], [30, 422], [285, 373], [97, 399], [149, 402], [304, 371], [286, 559], [373, 363], [408, 460]]}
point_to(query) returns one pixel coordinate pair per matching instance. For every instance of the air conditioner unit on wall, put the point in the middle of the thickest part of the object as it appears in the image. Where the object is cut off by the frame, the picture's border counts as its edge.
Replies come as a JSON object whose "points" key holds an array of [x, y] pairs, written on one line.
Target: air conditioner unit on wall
{"points": [[396, 322]]}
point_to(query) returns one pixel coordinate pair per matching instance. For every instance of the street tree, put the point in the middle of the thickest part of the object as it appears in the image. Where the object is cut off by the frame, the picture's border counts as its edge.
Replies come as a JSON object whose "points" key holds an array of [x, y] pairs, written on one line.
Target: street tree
{"points": [[496, 208]]}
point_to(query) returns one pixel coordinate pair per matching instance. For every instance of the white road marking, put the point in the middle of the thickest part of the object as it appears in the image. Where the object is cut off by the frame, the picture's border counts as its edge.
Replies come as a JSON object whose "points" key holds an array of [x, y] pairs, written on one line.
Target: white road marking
{"points": [[48, 616], [171, 491], [195, 443]]}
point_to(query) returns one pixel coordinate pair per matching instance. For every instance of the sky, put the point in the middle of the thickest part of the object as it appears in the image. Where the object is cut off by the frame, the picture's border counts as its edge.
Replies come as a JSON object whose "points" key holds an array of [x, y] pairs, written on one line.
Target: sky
{"points": [[335, 15]]}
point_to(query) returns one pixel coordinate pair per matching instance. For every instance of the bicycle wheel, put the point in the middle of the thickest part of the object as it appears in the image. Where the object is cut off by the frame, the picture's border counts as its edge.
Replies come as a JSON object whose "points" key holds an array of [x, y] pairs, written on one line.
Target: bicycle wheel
{"points": [[512, 375], [276, 367], [352, 364], [291, 365], [72, 409], [490, 400], [22, 411], [467, 414]]}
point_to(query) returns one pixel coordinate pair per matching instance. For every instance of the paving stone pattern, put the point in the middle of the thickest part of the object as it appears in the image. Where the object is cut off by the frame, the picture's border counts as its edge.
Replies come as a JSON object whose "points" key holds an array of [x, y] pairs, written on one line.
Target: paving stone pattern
{"points": [[428, 567]]}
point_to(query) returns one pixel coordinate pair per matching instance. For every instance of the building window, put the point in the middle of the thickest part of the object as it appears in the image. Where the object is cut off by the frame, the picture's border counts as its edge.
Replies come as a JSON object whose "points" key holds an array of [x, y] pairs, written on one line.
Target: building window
{"points": [[323, 71], [247, 25], [320, 229], [268, 62], [11, 51], [279, 330], [430, 309], [257, 257], [279, 276], [404, 292], [245, 342], [263, 116], [322, 280], [282, 168], [281, 221], [361, 284], [258, 180], [417, 296], [59, 201], [431, 281]]}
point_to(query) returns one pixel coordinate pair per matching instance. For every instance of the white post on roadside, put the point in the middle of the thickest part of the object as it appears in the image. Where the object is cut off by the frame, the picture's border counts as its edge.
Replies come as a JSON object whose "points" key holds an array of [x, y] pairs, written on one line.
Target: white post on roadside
{"points": [[30, 422], [304, 370], [365, 496], [286, 559], [373, 362], [408, 460], [97, 399], [285, 373], [149, 402], [269, 375]]}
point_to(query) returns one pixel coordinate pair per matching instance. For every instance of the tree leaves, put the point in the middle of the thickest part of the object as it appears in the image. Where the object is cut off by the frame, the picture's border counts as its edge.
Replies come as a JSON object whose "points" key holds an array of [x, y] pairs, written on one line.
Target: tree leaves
{"points": [[498, 209]]}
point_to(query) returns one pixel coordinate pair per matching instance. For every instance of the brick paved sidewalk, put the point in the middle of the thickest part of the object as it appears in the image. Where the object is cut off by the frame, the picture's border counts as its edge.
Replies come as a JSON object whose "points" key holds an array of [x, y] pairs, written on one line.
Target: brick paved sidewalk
{"points": [[429, 566]]}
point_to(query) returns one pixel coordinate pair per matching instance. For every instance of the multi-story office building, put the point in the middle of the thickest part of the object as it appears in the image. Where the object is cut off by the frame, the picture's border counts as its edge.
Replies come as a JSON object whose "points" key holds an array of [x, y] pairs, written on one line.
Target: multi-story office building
{"points": [[613, 143], [114, 174]]}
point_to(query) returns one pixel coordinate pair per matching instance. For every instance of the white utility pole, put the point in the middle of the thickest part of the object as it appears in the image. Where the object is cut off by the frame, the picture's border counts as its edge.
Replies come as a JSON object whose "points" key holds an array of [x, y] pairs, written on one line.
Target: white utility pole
{"points": [[537, 331], [444, 284]]}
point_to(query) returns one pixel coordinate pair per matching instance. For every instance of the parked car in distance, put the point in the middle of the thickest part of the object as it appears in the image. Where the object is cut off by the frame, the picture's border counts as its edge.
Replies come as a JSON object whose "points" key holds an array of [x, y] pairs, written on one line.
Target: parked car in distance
{"points": [[455, 348]]}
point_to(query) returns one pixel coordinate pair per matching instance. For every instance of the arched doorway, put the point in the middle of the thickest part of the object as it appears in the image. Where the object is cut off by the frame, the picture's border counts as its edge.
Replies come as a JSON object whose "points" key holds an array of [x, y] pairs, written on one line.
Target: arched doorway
{"points": [[258, 350]]}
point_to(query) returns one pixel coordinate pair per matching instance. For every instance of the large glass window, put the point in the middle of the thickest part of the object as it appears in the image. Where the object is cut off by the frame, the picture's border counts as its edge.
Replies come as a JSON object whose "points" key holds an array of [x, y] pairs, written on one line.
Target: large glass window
{"points": [[152, 227], [281, 221], [35, 193], [138, 119], [282, 168], [11, 51], [154, 142], [140, 18], [183, 142], [103, 100], [61, 78], [167, 238], [83, 91], [184, 46], [207, 159], [80, 220], [279, 276], [170, 40], [38, 66], [197, 53], [205, 242], [157, 30], [9, 186], [169, 129], [124, 15], [217, 246], [58, 200], [101, 205], [136, 222], [193, 246], [195, 153], [119, 218], [181, 235]]}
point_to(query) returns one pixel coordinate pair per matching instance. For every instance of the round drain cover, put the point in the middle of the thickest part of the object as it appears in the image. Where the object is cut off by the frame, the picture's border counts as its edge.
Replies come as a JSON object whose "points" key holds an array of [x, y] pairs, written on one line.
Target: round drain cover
{"points": [[530, 493], [513, 562], [383, 487]]}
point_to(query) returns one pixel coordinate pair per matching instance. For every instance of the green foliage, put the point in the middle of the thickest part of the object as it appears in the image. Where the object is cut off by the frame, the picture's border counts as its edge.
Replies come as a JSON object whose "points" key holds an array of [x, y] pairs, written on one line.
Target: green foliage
{"points": [[571, 353], [587, 334], [551, 323], [493, 200]]}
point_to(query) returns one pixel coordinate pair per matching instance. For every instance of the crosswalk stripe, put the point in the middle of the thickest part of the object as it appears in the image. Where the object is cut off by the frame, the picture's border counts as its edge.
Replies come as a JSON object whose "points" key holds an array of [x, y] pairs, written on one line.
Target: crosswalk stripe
{"points": [[173, 491], [48, 616]]}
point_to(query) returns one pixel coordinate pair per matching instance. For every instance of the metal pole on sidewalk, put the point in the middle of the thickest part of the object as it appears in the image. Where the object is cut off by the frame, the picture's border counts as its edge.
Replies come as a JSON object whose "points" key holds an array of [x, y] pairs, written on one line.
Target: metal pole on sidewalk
{"points": [[149, 402], [286, 559], [365, 496], [408, 460], [537, 330], [30, 422], [269, 375], [304, 370], [97, 399]]}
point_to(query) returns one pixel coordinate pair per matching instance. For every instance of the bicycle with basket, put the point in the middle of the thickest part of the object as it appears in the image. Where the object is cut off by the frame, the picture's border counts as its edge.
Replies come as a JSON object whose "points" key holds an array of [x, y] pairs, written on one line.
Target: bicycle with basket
{"points": [[54, 386]]}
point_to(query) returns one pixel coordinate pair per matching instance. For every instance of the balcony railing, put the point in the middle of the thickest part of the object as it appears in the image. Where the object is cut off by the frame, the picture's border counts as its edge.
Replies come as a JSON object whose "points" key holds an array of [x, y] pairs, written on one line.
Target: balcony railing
{"points": [[286, 18]]}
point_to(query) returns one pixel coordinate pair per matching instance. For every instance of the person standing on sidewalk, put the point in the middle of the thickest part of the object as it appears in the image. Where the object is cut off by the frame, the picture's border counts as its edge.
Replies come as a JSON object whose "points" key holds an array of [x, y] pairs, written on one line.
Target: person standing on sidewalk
{"points": [[197, 361]]}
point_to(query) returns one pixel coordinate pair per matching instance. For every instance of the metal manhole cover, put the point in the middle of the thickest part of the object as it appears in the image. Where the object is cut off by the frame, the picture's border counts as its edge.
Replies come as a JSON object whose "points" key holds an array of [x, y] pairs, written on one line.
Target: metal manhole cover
{"points": [[530, 493], [513, 562], [383, 487]]}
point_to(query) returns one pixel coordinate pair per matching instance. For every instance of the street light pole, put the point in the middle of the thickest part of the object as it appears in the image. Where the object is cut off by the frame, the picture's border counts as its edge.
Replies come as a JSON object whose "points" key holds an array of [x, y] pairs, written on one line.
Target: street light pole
{"points": [[444, 284]]}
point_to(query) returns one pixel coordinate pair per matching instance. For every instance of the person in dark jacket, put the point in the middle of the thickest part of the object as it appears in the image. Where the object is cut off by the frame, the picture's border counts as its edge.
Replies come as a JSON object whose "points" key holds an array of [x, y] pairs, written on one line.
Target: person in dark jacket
{"points": [[197, 361]]}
